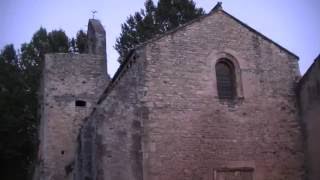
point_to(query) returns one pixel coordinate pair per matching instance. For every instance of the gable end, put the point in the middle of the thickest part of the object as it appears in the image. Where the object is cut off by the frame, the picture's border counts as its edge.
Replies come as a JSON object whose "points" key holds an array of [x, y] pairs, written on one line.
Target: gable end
{"points": [[260, 34]]}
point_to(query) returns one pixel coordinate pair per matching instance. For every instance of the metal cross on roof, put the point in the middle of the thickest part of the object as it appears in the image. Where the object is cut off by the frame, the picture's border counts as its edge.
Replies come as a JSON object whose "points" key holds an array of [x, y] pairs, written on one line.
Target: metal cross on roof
{"points": [[93, 13]]}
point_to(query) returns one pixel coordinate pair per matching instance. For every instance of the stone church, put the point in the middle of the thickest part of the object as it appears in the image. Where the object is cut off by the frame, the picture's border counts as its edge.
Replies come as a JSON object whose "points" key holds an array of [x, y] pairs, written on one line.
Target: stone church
{"points": [[210, 100]]}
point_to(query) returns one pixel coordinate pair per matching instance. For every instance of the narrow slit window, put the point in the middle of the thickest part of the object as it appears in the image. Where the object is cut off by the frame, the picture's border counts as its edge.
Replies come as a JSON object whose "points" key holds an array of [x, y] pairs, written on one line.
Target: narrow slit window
{"points": [[80, 103], [225, 79]]}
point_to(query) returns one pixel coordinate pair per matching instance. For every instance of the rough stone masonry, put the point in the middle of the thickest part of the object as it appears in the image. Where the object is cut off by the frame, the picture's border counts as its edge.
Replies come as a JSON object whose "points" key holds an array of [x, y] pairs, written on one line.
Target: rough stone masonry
{"points": [[163, 117], [309, 100], [71, 85]]}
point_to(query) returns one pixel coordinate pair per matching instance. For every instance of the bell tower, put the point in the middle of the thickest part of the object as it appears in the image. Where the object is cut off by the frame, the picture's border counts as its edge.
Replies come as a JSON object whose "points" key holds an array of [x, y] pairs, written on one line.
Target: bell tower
{"points": [[71, 86]]}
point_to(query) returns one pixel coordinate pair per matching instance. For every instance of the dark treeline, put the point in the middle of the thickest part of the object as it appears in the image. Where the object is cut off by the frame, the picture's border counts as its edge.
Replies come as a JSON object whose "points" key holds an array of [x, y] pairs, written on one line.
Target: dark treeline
{"points": [[20, 72]]}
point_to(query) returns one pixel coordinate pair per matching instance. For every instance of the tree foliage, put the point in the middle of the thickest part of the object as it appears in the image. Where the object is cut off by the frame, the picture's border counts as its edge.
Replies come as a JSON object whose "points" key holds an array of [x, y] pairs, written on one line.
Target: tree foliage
{"points": [[9, 54], [81, 41], [18, 118], [58, 41], [144, 25], [19, 83]]}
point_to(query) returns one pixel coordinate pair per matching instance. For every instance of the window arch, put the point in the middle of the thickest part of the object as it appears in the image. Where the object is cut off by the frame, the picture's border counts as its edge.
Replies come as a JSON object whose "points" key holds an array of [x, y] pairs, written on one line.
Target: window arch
{"points": [[226, 80]]}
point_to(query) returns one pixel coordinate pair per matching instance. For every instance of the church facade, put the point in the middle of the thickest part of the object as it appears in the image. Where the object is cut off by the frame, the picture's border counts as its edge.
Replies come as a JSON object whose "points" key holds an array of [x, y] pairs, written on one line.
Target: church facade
{"points": [[211, 100]]}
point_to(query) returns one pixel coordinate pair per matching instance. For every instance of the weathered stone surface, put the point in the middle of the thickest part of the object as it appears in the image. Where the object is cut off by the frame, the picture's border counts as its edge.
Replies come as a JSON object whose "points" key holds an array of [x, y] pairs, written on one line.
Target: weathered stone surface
{"points": [[120, 130], [190, 133], [309, 98], [160, 117], [66, 79], [96, 38], [71, 86]]}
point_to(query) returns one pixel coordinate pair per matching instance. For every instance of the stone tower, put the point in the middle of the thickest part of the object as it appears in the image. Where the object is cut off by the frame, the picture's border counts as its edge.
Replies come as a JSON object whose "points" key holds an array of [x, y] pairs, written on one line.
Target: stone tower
{"points": [[71, 85], [96, 38]]}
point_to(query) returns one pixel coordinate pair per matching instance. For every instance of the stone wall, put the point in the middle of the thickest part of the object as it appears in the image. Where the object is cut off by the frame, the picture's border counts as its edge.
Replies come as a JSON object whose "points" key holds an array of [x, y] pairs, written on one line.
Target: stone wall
{"points": [[191, 134], [111, 139], [161, 118], [85, 161], [72, 84], [309, 98]]}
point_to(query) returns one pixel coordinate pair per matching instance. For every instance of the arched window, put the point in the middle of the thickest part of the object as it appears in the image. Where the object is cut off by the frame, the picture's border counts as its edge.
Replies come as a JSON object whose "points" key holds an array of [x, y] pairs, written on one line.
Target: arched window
{"points": [[225, 74]]}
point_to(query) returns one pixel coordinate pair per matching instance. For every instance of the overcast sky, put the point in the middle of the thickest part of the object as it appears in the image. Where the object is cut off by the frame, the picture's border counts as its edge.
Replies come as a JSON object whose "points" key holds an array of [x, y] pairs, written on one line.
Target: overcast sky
{"points": [[293, 24]]}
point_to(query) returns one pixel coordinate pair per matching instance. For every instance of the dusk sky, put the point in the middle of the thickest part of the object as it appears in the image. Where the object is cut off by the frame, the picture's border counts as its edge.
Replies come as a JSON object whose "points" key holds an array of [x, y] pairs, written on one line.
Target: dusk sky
{"points": [[294, 24]]}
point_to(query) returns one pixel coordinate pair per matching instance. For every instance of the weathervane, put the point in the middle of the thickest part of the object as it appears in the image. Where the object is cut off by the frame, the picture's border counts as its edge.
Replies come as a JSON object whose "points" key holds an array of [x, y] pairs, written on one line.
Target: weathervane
{"points": [[93, 13]]}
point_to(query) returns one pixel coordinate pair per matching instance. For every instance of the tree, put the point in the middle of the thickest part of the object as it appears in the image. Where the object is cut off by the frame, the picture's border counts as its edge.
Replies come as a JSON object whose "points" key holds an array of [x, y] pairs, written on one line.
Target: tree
{"points": [[9, 54], [19, 84], [17, 130], [40, 41], [81, 42], [58, 41], [144, 25]]}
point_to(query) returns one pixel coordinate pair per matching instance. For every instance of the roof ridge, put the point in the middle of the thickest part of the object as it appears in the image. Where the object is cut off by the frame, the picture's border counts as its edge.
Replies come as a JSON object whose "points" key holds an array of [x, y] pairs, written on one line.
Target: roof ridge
{"points": [[259, 33], [306, 74], [318, 58], [216, 8]]}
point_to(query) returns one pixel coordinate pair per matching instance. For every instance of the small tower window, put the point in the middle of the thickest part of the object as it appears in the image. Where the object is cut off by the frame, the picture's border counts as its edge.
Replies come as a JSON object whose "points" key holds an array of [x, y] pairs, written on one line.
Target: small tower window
{"points": [[80, 103], [225, 79]]}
